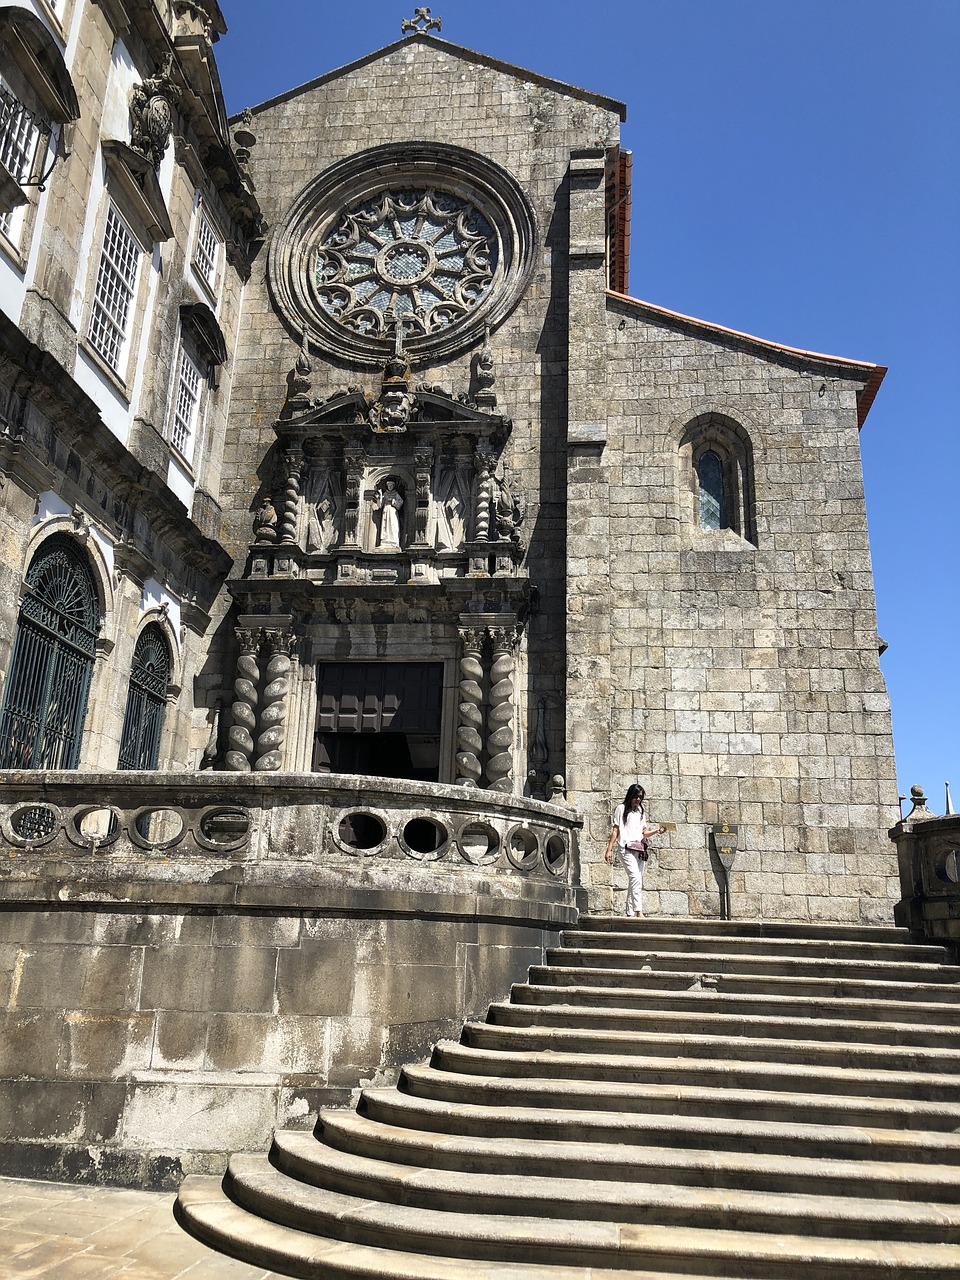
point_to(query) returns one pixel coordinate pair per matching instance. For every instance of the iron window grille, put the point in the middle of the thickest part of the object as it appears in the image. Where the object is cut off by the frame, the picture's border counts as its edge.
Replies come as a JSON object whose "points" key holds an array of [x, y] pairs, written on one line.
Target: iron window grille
{"points": [[115, 290], [206, 252], [24, 135], [146, 701], [45, 700], [186, 405]]}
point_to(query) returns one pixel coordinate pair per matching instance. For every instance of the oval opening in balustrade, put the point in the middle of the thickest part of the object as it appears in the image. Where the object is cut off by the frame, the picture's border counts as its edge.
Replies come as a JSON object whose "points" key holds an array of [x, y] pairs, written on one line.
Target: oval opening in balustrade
{"points": [[523, 848], [948, 866], [34, 823], [362, 830], [555, 854], [423, 838], [157, 828], [222, 829], [95, 826], [479, 843]]}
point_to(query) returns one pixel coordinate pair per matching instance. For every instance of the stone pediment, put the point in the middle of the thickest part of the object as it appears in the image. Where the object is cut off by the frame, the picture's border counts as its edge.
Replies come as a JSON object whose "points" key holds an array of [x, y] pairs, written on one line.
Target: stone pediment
{"points": [[395, 410]]}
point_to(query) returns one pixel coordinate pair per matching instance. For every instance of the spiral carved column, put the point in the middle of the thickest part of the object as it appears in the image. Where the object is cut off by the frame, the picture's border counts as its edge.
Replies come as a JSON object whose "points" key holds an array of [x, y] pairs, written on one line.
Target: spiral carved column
{"points": [[244, 711], [291, 497], [470, 724], [273, 715], [486, 497], [500, 713]]}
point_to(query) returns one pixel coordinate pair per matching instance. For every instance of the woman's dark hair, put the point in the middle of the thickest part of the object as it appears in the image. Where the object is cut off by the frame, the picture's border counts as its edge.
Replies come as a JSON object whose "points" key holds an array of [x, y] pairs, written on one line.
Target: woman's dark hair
{"points": [[634, 792]]}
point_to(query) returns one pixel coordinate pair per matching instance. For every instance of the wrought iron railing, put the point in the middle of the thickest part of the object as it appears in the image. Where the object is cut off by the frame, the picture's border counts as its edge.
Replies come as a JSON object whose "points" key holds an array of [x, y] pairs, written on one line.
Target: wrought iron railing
{"points": [[24, 135]]}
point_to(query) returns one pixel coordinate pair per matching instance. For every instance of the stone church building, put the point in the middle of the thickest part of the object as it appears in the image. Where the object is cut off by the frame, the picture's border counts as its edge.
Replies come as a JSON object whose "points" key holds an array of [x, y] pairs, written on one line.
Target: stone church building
{"points": [[361, 533]]}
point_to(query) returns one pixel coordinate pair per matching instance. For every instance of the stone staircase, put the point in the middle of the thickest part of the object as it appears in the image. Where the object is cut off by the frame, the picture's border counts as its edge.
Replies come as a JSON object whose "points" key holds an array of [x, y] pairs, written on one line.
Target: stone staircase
{"points": [[662, 1098]]}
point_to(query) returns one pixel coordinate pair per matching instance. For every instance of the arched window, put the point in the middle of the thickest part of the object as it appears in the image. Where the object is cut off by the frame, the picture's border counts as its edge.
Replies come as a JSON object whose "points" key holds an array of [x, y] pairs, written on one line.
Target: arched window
{"points": [[710, 476], [146, 700], [716, 468], [45, 699]]}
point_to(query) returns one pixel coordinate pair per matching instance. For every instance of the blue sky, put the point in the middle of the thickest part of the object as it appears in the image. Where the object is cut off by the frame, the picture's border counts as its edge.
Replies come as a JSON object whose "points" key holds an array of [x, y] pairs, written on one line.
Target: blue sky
{"points": [[796, 176]]}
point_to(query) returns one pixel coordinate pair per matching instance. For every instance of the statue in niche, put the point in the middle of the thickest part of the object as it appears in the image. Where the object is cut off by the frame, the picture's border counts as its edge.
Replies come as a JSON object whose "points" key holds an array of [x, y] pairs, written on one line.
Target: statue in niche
{"points": [[510, 511], [321, 531], [451, 511], [389, 502], [265, 522]]}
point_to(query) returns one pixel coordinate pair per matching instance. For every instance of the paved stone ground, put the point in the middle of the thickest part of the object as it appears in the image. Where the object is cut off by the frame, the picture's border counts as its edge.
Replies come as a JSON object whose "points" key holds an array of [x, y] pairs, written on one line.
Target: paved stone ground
{"points": [[53, 1231]]}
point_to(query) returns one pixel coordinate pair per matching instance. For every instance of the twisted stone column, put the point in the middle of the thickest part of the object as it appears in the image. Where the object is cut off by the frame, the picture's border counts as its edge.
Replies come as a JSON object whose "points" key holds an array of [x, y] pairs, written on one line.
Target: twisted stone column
{"points": [[244, 711], [500, 714], [291, 497], [486, 497], [269, 755], [469, 737]]}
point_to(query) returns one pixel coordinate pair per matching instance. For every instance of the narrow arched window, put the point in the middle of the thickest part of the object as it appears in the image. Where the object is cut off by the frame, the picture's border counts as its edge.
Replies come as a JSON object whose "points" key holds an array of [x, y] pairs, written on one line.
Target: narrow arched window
{"points": [[710, 478], [45, 699], [146, 700]]}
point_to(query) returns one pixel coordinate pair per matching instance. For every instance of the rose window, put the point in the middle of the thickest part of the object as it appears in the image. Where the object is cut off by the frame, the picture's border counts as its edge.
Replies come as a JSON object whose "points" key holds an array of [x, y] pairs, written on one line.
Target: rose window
{"points": [[420, 256]]}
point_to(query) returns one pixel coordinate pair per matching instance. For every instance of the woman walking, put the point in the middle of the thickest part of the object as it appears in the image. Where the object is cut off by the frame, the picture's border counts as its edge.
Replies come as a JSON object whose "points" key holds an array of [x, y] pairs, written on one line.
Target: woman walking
{"points": [[630, 830]]}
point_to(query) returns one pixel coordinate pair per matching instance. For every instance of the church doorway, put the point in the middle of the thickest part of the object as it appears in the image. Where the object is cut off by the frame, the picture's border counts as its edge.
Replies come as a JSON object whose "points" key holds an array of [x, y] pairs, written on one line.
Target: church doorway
{"points": [[379, 719]]}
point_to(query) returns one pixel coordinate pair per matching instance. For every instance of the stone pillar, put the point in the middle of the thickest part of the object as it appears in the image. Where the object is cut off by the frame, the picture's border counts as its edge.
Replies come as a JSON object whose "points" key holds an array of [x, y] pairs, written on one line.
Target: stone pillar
{"points": [[291, 497], [353, 457], [470, 724], [423, 462], [269, 749], [501, 711], [244, 717], [486, 496]]}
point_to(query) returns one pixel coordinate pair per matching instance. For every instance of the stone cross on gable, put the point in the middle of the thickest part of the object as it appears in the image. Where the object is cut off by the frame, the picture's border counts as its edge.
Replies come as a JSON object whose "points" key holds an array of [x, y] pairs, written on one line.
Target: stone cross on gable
{"points": [[421, 21]]}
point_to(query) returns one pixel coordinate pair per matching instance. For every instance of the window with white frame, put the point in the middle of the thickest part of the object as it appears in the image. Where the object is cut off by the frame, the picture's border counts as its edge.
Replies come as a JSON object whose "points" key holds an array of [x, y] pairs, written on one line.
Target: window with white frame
{"points": [[115, 290], [186, 405], [206, 251]]}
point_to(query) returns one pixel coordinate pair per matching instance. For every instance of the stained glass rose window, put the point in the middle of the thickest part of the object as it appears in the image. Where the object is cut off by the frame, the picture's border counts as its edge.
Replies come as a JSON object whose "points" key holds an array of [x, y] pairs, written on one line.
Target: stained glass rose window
{"points": [[429, 235], [419, 255]]}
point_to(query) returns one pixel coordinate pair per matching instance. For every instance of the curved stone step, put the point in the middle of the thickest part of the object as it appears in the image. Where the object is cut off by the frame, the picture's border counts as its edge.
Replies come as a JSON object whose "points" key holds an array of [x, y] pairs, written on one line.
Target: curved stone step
{"points": [[565, 1122], [787, 985], [698, 1018], [573, 1194], [598, 957], [529, 1029], [574, 1242], [546, 1090], [206, 1212], [703, 995], [626, 1163], [818, 949], [516, 1059]]}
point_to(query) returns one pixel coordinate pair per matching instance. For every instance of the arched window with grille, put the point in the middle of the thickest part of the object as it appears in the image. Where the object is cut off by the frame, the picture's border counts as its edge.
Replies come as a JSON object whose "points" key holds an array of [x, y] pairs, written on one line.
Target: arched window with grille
{"points": [[45, 699], [146, 700]]}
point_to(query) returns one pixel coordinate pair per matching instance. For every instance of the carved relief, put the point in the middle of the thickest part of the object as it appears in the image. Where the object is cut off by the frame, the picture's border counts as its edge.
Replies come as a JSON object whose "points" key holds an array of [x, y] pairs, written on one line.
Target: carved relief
{"points": [[152, 104]]}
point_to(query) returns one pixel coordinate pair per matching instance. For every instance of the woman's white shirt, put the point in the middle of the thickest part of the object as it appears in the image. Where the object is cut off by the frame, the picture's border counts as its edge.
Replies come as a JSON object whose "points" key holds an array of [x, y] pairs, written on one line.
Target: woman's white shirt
{"points": [[632, 827]]}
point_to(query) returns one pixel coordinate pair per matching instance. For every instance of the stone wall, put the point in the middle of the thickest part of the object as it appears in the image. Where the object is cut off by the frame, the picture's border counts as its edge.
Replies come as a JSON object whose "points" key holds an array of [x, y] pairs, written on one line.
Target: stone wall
{"points": [[166, 1001], [739, 671]]}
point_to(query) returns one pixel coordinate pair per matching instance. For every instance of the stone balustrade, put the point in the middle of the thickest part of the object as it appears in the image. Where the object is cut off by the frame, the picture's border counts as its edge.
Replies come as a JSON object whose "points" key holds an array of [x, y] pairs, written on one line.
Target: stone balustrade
{"points": [[162, 820], [928, 853]]}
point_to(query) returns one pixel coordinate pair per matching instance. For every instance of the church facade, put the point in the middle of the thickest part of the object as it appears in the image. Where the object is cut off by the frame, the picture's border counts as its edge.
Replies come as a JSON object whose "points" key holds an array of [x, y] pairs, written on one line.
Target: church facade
{"points": [[363, 535]]}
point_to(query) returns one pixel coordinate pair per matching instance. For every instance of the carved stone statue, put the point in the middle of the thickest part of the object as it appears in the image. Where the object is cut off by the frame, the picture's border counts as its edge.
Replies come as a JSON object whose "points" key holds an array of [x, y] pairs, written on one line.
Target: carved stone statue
{"points": [[389, 503], [392, 411], [265, 522], [510, 511], [451, 507]]}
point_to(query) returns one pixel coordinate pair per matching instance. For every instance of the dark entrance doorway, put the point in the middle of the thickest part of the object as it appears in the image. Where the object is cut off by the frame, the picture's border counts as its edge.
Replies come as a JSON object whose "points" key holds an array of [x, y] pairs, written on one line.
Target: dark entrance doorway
{"points": [[380, 719]]}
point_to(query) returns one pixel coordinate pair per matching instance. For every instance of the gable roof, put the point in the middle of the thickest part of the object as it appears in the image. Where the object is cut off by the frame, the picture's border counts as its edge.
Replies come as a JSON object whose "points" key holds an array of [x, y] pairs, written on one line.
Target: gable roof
{"points": [[455, 51], [872, 374]]}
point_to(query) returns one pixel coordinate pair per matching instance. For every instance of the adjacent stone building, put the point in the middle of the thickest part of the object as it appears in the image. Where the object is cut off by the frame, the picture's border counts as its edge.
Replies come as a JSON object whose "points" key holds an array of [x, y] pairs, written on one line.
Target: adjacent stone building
{"points": [[334, 448]]}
